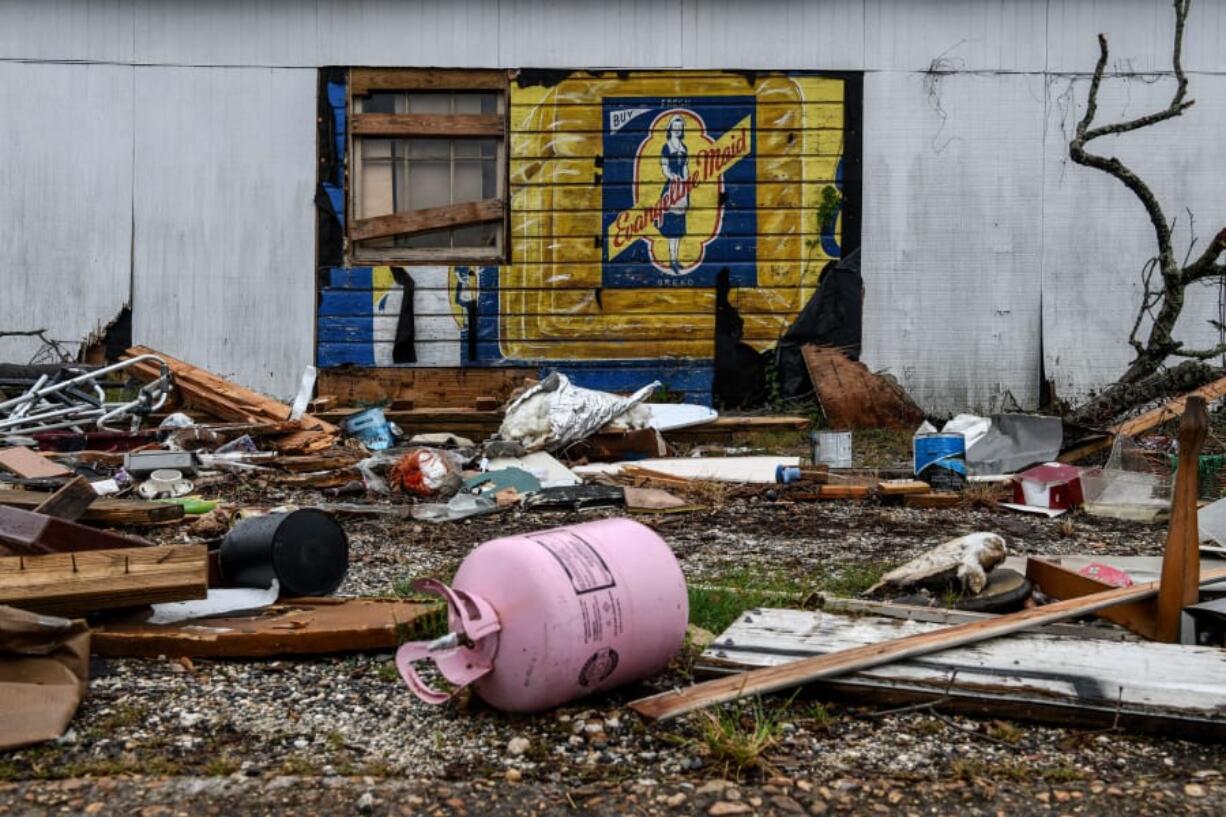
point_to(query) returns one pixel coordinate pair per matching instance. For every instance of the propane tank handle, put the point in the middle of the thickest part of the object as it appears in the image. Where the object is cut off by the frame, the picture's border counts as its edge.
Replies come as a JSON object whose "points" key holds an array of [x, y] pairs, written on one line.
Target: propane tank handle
{"points": [[476, 619], [405, 657]]}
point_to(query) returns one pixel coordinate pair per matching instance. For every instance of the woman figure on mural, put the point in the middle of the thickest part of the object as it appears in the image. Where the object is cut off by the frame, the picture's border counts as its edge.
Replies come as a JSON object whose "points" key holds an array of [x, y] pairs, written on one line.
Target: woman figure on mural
{"points": [[674, 198]]}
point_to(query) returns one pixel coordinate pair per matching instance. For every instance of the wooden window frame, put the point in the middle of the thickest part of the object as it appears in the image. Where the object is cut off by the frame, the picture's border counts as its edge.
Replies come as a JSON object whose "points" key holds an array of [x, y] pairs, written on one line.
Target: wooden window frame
{"points": [[364, 81]]}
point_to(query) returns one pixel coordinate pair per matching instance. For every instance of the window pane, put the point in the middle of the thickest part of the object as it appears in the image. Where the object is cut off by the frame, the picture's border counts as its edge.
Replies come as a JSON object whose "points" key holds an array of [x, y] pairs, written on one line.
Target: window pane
{"points": [[475, 103], [467, 185], [428, 185], [478, 235], [421, 241], [429, 103], [375, 184], [427, 148], [472, 148], [378, 103]]}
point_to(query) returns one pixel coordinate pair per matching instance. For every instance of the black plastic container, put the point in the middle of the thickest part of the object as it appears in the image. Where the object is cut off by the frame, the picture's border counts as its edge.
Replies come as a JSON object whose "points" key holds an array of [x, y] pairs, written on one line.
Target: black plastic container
{"points": [[305, 550]]}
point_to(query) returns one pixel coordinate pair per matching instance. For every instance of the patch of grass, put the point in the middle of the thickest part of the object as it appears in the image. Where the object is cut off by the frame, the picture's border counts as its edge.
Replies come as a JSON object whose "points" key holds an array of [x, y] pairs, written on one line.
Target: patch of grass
{"points": [[300, 766], [1003, 730], [851, 580], [881, 447], [739, 736], [121, 716], [223, 766], [387, 672], [821, 716]]}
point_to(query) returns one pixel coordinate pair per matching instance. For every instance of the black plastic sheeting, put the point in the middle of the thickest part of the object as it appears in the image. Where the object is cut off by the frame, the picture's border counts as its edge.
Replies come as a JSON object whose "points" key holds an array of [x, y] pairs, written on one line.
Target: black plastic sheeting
{"points": [[832, 317]]}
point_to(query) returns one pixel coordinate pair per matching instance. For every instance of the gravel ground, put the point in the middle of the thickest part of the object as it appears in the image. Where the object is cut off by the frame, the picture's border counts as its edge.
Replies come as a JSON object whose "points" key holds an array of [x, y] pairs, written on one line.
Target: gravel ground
{"points": [[341, 735]]}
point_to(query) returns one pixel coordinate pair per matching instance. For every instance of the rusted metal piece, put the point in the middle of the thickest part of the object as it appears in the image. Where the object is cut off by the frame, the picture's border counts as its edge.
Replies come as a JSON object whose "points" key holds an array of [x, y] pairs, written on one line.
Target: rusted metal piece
{"points": [[30, 533]]}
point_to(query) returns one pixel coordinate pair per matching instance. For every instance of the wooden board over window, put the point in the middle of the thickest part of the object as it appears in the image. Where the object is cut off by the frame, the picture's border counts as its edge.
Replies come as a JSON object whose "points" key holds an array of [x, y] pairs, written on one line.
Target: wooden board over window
{"points": [[428, 166]]}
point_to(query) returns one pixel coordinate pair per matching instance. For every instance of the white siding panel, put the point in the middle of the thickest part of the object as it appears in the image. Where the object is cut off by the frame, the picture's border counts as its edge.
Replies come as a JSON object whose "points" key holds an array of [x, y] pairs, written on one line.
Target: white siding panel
{"points": [[225, 233], [591, 34], [1097, 236], [1139, 33], [966, 35], [95, 30], [461, 33], [226, 32], [65, 199], [794, 34], [952, 180]]}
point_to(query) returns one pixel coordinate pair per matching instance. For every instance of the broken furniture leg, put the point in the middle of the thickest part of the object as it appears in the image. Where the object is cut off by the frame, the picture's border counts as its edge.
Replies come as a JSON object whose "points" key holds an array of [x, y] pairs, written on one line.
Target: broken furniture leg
{"points": [[1181, 560], [70, 501]]}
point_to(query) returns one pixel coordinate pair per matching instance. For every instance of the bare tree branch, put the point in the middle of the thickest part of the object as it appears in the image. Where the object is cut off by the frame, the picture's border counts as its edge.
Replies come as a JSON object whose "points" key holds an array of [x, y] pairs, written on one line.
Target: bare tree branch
{"points": [[1203, 266], [1200, 354]]}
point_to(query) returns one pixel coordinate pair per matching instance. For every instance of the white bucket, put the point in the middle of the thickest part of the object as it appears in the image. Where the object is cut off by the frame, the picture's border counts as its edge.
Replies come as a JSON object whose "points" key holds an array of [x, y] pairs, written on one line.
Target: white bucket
{"points": [[834, 449]]}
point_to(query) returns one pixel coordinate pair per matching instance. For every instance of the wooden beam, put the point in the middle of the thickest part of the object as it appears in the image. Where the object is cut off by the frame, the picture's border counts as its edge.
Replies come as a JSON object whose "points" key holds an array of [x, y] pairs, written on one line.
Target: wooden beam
{"points": [[70, 501], [292, 627], [678, 702], [30, 464], [364, 80], [75, 584], [1061, 583], [1181, 559], [428, 388], [431, 218], [428, 124], [230, 401], [1169, 411], [106, 510]]}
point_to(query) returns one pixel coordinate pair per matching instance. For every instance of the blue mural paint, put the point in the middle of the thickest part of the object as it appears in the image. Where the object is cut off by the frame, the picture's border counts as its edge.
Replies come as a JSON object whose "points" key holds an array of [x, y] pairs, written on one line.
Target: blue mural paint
{"points": [[687, 201], [830, 241]]}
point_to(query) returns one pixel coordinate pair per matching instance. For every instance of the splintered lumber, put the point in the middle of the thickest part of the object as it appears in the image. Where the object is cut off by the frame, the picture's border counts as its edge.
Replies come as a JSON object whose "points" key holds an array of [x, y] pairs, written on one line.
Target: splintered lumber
{"points": [[230, 401], [27, 532], [1047, 675], [1169, 410], [450, 387], [75, 584], [772, 679], [1061, 583], [30, 464], [292, 627], [853, 397], [104, 509], [70, 501], [1181, 558], [843, 491]]}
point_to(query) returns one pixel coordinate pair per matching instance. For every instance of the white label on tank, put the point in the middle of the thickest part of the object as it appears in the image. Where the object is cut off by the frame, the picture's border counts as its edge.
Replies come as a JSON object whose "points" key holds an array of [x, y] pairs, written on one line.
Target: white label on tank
{"points": [[584, 567]]}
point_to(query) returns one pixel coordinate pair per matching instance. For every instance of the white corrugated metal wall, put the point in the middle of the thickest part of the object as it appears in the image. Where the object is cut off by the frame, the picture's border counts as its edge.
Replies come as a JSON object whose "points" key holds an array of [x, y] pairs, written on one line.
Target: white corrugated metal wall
{"points": [[167, 146]]}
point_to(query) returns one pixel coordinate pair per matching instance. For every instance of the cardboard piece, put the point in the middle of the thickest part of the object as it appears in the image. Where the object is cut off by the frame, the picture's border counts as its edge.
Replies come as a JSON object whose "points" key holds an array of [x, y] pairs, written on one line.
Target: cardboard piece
{"points": [[44, 672]]}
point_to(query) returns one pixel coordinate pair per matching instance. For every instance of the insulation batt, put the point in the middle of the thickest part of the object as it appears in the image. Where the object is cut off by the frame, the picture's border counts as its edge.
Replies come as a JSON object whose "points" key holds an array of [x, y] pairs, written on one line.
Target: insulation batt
{"points": [[968, 558], [555, 413]]}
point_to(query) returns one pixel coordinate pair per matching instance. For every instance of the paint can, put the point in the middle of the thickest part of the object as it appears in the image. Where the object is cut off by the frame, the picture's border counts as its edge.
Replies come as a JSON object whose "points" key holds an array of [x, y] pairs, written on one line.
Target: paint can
{"points": [[371, 428], [305, 550], [940, 460], [833, 449]]}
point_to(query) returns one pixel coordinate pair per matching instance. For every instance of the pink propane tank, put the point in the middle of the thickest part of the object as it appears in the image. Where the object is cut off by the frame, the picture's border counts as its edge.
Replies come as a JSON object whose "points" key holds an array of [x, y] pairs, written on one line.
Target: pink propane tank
{"points": [[540, 619]]}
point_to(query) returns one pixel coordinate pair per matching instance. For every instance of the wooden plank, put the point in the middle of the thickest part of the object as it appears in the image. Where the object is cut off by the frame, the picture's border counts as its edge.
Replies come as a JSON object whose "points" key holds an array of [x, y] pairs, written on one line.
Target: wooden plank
{"points": [[1170, 410], [70, 501], [104, 509], [293, 627], [450, 387], [932, 500], [364, 80], [1041, 676], [74, 584], [428, 124], [678, 702], [1061, 583], [230, 401], [430, 218], [902, 487], [1181, 558], [853, 397], [29, 464]]}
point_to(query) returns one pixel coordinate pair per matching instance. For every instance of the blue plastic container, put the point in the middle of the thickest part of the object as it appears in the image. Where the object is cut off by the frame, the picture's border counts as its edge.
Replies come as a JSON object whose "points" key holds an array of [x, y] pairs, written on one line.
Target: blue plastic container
{"points": [[371, 428], [940, 460]]}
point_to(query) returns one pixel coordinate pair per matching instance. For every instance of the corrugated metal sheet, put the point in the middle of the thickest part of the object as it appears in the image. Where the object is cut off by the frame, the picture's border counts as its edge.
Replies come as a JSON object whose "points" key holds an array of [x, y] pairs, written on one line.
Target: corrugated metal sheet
{"points": [[951, 238], [65, 200], [967, 35], [224, 228], [799, 34], [1097, 237]]}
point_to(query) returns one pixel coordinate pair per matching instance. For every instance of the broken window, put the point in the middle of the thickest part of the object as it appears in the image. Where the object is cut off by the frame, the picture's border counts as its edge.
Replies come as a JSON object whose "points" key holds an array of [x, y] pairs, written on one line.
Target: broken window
{"points": [[428, 175]]}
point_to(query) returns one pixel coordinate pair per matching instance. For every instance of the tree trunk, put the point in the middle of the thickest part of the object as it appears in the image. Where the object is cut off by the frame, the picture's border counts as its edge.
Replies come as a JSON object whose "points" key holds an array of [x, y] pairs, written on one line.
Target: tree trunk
{"points": [[1122, 397]]}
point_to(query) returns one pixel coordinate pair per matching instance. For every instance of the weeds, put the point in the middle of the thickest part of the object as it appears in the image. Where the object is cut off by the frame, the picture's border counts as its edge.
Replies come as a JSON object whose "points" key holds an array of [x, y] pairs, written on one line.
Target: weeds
{"points": [[739, 736]]}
